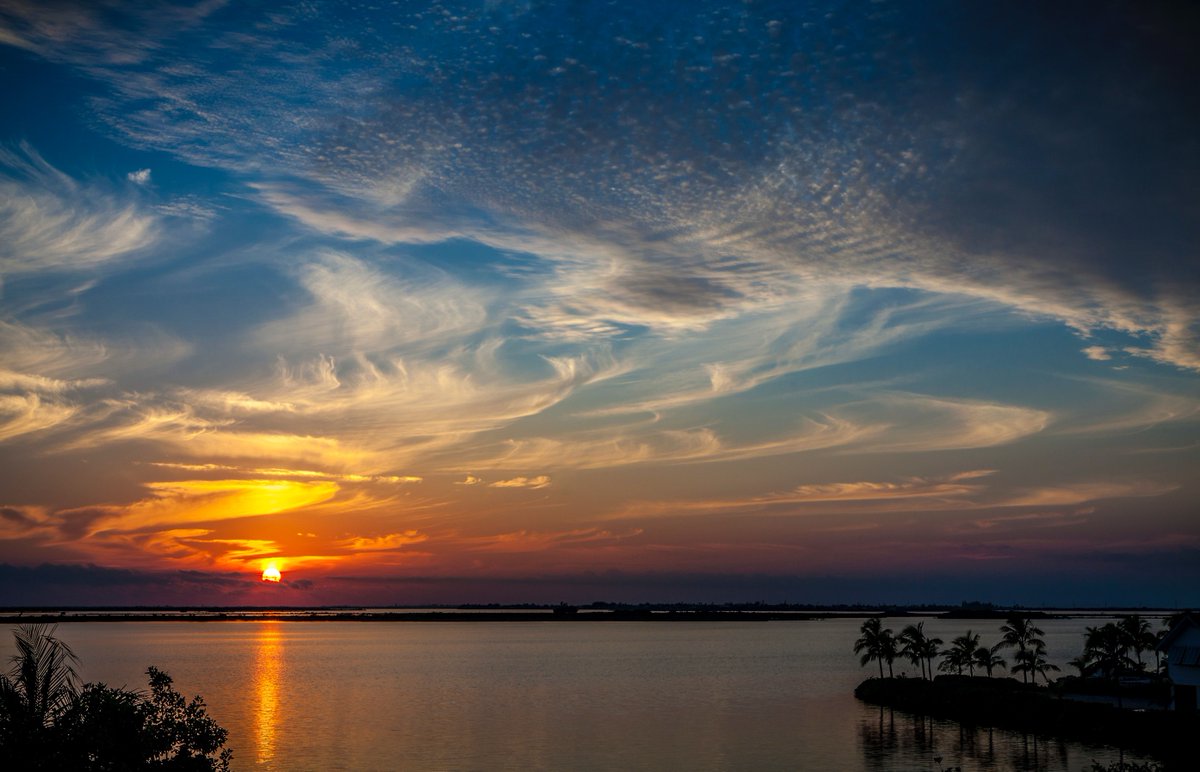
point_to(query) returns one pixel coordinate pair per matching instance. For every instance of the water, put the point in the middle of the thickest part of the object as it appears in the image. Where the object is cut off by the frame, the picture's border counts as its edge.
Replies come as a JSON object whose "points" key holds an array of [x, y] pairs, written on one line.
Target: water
{"points": [[557, 696]]}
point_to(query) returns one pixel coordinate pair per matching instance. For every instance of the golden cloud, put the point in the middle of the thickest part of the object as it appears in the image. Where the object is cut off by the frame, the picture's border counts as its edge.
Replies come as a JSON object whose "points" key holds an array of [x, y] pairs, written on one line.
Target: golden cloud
{"points": [[202, 501]]}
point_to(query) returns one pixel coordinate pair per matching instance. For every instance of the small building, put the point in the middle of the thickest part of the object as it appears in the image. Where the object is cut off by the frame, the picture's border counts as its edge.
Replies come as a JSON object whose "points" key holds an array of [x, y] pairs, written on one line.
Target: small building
{"points": [[1181, 644]]}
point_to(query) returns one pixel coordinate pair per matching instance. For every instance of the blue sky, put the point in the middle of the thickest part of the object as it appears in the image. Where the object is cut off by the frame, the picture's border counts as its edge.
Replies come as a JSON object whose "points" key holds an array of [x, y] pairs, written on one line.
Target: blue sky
{"points": [[493, 300]]}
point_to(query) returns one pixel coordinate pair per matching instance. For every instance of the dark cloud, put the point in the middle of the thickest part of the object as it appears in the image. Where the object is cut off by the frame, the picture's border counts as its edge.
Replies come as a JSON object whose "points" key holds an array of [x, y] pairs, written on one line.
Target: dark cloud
{"points": [[17, 516], [1019, 583], [77, 523], [1075, 134], [92, 585], [1160, 578], [655, 289]]}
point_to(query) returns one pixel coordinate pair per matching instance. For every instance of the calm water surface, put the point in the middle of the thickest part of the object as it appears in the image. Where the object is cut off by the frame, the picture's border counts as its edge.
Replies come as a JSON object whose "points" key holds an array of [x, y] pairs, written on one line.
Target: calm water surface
{"points": [[557, 696]]}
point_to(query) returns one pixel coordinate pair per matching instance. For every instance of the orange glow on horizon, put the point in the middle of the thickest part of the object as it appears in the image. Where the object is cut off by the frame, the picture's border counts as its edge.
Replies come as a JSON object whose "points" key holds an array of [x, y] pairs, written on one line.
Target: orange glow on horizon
{"points": [[271, 573]]}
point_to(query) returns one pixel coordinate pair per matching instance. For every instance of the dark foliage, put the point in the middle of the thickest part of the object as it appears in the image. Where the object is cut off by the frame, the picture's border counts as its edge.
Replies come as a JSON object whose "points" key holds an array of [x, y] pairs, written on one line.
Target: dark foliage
{"points": [[99, 727]]}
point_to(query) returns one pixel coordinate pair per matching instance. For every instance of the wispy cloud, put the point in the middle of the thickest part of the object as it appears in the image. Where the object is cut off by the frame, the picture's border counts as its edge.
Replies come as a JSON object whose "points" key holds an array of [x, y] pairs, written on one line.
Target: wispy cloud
{"points": [[200, 501], [388, 542], [1080, 493], [178, 426], [959, 492], [358, 308], [298, 473], [176, 520], [28, 413], [1128, 407], [52, 222], [1026, 521], [938, 423], [91, 33], [951, 492], [541, 481], [887, 423], [539, 541]]}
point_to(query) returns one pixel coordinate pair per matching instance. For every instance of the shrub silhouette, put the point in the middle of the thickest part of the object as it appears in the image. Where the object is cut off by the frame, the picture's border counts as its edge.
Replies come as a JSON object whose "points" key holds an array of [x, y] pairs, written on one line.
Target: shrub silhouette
{"points": [[47, 721]]}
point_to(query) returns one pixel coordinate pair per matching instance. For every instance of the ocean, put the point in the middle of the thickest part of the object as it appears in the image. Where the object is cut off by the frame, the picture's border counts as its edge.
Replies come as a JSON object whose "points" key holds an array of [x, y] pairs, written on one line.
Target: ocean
{"points": [[562, 695]]}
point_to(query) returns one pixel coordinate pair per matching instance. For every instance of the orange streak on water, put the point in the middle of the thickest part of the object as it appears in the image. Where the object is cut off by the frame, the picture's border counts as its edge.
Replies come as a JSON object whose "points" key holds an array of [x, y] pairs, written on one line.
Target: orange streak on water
{"points": [[267, 673]]}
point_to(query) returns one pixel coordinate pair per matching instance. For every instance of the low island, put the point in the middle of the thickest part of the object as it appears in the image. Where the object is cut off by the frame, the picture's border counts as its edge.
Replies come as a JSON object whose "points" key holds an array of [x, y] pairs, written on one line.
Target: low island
{"points": [[1115, 700]]}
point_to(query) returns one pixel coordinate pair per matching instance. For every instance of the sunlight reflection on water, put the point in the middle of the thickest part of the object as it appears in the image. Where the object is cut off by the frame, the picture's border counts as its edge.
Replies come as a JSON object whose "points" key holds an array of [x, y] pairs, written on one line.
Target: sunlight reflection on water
{"points": [[267, 667]]}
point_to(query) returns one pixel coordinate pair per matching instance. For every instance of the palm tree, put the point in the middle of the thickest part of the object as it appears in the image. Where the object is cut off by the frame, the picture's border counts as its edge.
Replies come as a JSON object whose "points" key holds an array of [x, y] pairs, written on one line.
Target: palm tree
{"points": [[910, 640], [41, 683], [1020, 632], [888, 650], [876, 643], [1158, 639], [919, 648], [952, 662], [1138, 636], [1033, 661], [988, 659], [961, 654], [930, 650], [1107, 648], [1168, 624]]}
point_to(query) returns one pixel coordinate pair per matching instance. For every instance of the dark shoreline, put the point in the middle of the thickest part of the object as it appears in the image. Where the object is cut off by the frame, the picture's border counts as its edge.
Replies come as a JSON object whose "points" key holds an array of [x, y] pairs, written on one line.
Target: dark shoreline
{"points": [[596, 612], [1004, 703], [425, 616]]}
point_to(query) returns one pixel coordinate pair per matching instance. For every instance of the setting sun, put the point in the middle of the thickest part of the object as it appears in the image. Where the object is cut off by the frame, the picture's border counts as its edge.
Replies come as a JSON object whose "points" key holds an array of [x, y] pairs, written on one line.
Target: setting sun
{"points": [[271, 573]]}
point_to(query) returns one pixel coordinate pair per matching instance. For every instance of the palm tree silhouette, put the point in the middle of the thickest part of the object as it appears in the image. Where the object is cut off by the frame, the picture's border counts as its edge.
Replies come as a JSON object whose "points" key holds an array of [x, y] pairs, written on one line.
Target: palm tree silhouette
{"points": [[961, 654], [876, 643], [1107, 649], [1033, 660], [988, 659], [888, 650], [1020, 632], [41, 683], [1138, 636], [919, 648]]}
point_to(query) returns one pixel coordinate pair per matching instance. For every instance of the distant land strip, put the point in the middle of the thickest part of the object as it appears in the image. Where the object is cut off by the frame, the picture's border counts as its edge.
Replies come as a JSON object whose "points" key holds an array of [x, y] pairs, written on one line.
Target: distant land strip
{"points": [[595, 612], [421, 616]]}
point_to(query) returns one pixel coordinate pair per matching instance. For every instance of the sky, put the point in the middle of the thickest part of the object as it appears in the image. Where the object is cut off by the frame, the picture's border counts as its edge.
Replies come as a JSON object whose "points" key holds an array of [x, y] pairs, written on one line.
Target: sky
{"points": [[435, 302]]}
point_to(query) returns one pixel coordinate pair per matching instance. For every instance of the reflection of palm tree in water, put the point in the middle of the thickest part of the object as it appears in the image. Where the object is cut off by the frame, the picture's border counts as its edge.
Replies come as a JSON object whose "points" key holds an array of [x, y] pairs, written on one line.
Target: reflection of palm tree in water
{"points": [[878, 736]]}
